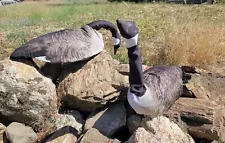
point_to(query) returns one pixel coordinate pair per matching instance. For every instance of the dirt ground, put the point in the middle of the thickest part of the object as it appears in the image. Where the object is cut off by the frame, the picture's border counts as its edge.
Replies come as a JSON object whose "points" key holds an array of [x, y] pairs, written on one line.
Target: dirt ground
{"points": [[3, 53]]}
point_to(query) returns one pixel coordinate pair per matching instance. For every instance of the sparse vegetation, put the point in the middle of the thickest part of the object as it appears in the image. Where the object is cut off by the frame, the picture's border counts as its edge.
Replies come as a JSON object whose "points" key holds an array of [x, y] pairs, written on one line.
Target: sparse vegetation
{"points": [[168, 34]]}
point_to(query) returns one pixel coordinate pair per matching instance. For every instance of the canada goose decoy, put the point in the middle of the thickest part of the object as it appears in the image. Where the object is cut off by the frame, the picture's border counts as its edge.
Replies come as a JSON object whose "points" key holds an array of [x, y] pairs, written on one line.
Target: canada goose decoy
{"points": [[69, 45], [155, 90]]}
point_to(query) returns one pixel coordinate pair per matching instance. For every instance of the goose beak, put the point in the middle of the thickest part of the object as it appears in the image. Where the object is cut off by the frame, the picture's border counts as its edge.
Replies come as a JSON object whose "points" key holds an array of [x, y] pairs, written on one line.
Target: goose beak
{"points": [[116, 47], [120, 22], [115, 51]]}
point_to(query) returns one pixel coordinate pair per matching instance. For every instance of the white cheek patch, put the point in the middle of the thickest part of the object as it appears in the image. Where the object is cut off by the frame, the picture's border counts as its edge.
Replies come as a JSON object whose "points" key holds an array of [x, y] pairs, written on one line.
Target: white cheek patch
{"points": [[116, 41], [131, 42], [43, 58]]}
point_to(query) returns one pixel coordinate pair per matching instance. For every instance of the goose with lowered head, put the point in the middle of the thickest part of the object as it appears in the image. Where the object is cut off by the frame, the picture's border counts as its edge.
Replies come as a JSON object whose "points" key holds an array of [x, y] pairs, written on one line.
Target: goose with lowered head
{"points": [[69, 45]]}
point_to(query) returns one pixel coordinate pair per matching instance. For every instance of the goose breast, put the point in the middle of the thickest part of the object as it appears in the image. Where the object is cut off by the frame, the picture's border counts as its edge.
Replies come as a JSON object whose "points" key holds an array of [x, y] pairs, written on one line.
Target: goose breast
{"points": [[164, 86]]}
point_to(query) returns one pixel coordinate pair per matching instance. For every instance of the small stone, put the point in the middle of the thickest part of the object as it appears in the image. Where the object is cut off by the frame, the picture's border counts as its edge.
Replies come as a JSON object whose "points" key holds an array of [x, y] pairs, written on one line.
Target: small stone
{"points": [[70, 118], [94, 136], [19, 133]]}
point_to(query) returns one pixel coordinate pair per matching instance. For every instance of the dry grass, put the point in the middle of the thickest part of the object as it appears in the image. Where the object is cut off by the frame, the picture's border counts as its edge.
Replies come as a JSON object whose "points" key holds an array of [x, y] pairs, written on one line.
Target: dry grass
{"points": [[196, 45], [168, 34]]}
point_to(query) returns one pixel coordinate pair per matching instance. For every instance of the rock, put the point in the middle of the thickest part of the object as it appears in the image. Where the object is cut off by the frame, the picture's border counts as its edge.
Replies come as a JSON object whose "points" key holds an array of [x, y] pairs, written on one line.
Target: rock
{"points": [[133, 122], [25, 95], [142, 136], [198, 110], [201, 130], [209, 86], [107, 121], [91, 84], [93, 136], [198, 114], [70, 118], [165, 131], [2, 130], [19, 133], [66, 134], [3, 53], [124, 68], [115, 141], [218, 67], [219, 123]]}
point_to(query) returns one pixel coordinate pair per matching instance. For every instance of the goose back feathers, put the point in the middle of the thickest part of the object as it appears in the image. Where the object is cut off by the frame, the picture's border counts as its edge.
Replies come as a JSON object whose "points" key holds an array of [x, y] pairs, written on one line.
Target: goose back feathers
{"points": [[69, 45], [164, 85]]}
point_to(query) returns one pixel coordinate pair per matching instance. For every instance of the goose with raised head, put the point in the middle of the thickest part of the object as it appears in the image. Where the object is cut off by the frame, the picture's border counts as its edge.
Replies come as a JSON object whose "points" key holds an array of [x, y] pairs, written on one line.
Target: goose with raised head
{"points": [[155, 90], [69, 45]]}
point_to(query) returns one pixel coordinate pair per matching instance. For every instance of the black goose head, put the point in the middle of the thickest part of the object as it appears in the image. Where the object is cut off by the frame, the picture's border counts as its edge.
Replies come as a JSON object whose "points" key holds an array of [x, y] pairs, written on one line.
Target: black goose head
{"points": [[129, 32], [98, 24], [127, 29]]}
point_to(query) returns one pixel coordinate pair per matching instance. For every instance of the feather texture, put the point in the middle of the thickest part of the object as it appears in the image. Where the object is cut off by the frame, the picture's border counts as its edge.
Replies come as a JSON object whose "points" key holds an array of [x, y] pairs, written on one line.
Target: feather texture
{"points": [[164, 86], [69, 45], [155, 90]]}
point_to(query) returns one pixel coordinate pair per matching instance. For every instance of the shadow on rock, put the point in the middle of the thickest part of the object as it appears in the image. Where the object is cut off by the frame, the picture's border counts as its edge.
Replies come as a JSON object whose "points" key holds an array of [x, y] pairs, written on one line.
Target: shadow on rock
{"points": [[54, 71], [61, 135]]}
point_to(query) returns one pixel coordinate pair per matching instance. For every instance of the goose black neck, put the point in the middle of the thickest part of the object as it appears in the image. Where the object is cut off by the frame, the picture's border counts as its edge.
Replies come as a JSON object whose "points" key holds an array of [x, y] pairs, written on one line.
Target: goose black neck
{"points": [[136, 73], [106, 25]]}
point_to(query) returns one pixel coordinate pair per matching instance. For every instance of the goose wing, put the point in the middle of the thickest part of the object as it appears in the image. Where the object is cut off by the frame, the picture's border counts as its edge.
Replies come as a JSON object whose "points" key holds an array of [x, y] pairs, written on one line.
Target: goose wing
{"points": [[63, 46], [165, 82]]}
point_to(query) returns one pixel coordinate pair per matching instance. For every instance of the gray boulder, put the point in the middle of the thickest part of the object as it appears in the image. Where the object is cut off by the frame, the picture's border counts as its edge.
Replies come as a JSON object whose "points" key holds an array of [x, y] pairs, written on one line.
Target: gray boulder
{"points": [[66, 134], [142, 136], [93, 136], [107, 121], [91, 84], [198, 114], [25, 95], [208, 86], [70, 118], [165, 131]]}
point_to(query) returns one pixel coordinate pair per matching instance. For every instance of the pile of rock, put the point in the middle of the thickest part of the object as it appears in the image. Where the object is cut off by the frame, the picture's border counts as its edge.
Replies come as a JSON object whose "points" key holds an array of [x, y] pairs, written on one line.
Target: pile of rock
{"points": [[89, 105]]}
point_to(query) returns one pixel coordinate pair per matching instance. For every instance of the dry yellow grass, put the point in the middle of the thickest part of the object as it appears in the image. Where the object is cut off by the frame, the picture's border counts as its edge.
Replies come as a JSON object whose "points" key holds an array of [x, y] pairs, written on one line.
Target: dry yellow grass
{"points": [[197, 45], [168, 34]]}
